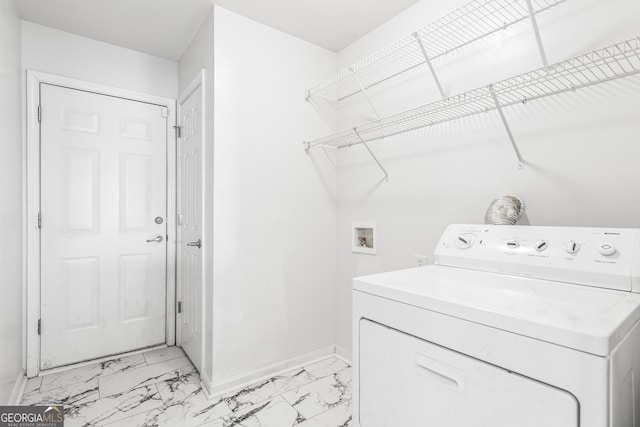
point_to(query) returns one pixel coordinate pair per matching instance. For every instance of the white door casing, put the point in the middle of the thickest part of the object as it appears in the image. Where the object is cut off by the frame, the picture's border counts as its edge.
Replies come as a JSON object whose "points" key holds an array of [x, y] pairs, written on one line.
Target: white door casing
{"points": [[84, 166], [190, 245]]}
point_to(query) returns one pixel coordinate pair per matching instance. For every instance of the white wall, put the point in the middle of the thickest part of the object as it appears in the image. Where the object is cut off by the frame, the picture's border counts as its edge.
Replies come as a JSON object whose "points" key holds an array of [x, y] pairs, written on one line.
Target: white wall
{"points": [[198, 56], [11, 207], [274, 206], [65, 54], [580, 149]]}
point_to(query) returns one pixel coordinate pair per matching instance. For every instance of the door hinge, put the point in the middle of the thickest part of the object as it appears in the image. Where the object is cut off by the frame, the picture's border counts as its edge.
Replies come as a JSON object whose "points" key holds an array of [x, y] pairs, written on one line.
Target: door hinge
{"points": [[178, 131], [39, 326], [164, 111], [39, 220], [179, 306], [39, 113]]}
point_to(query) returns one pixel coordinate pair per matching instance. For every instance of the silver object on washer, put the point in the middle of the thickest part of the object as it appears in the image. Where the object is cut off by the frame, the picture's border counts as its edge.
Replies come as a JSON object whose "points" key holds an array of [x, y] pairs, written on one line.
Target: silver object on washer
{"points": [[505, 210]]}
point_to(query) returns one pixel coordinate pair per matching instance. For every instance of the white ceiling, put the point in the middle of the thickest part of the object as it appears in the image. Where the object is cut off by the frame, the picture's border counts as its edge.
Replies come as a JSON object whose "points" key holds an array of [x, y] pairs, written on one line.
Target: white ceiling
{"points": [[162, 28], [165, 27], [333, 24]]}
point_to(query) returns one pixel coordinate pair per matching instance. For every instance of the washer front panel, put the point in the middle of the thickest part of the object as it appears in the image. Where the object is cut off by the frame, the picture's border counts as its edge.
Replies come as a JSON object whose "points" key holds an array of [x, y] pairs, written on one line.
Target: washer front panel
{"points": [[429, 385]]}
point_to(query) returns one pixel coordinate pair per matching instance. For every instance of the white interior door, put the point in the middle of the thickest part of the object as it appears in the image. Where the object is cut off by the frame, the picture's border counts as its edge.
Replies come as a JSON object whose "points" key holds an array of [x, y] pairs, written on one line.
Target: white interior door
{"points": [[103, 236], [190, 206]]}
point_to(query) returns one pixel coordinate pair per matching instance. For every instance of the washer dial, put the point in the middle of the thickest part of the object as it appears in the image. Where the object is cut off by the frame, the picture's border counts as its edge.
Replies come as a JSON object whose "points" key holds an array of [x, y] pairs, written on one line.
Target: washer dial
{"points": [[513, 244], [607, 249], [542, 245], [465, 240], [573, 247]]}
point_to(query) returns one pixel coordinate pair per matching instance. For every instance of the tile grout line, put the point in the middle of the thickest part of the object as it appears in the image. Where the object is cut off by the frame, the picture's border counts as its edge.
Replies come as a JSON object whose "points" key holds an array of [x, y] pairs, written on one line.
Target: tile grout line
{"points": [[235, 390], [318, 380], [159, 394], [130, 368], [250, 407], [139, 413], [153, 380], [164, 402], [116, 409], [254, 405], [277, 374], [286, 402], [36, 390], [166, 360], [142, 367], [96, 377], [347, 402]]}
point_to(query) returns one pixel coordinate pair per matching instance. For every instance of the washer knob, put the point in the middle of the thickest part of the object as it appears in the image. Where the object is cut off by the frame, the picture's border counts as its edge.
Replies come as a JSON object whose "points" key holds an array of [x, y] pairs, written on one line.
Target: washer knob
{"points": [[572, 247], [542, 245], [607, 249], [464, 241], [513, 244]]}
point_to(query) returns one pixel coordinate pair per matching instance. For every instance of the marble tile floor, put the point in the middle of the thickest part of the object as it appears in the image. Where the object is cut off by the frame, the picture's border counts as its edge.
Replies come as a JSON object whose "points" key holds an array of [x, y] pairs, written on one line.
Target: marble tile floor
{"points": [[162, 388]]}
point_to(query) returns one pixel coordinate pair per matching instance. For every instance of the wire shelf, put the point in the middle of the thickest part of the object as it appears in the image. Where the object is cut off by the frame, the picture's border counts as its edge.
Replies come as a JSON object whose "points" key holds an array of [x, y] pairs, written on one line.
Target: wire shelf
{"points": [[608, 63], [469, 23]]}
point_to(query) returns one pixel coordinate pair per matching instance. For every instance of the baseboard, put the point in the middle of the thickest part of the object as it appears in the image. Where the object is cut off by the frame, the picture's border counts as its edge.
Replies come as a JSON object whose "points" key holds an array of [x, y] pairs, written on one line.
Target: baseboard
{"points": [[205, 384], [214, 389], [18, 390], [343, 353]]}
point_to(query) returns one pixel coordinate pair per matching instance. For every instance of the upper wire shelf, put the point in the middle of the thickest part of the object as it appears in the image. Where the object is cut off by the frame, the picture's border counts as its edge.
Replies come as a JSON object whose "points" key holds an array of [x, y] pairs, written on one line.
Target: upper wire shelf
{"points": [[469, 23], [608, 63]]}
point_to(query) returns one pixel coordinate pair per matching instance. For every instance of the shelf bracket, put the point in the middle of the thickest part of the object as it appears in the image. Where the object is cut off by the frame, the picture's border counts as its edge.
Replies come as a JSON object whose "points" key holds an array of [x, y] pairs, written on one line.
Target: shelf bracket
{"points": [[536, 31], [428, 61], [506, 126], [364, 91], [386, 175]]}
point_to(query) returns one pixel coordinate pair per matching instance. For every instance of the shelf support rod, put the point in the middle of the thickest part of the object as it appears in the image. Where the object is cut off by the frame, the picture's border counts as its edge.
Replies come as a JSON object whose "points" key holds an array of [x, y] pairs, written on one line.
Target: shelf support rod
{"points": [[386, 175], [366, 94], [326, 98], [506, 126], [536, 31], [428, 61]]}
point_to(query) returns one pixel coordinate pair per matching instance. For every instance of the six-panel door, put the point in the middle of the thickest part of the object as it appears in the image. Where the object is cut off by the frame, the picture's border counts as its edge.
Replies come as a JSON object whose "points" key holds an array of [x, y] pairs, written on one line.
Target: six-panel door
{"points": [[103, 256]]}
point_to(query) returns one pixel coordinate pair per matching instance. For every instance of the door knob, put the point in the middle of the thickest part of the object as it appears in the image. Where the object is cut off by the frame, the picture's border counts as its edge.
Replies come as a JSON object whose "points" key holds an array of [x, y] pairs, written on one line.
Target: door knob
{"points": [[158, 238], [197, 244]]}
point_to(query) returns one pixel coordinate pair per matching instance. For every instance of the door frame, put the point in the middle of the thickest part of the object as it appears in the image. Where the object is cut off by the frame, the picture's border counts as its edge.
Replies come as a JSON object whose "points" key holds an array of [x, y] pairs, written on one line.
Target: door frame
{"points": [[197, 82], [32, 299]]}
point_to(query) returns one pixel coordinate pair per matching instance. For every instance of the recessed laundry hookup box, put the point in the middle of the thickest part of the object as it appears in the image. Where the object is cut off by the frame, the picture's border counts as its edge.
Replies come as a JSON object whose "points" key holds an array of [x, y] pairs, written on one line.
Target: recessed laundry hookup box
{"points": [[364, 238]]}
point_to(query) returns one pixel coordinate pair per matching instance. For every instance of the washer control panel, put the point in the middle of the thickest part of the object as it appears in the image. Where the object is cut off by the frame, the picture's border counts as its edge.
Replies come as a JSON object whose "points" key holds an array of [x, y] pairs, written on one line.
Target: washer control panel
{"points": [[602, 257]]}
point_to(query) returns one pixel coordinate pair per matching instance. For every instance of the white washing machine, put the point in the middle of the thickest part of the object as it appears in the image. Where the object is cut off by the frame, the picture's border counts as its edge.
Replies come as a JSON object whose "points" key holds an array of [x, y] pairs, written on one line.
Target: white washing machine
{"points": [[514, 326]]}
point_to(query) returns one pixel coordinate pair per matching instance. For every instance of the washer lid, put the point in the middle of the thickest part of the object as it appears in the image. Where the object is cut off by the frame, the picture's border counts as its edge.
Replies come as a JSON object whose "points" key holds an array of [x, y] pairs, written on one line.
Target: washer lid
{"points": [[588, 319]]}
